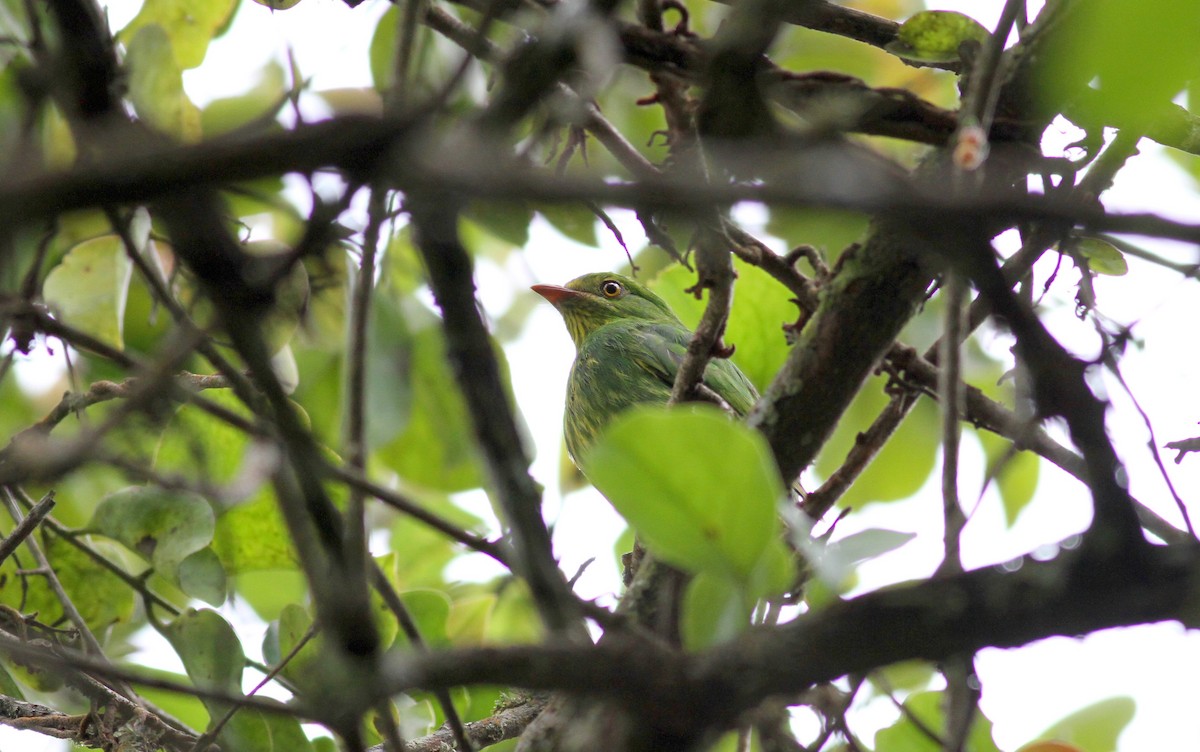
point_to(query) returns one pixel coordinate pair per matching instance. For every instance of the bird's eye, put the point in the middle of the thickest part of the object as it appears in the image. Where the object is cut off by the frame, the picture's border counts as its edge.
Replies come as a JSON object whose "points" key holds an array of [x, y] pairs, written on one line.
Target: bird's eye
{"points": [[611, 288]]}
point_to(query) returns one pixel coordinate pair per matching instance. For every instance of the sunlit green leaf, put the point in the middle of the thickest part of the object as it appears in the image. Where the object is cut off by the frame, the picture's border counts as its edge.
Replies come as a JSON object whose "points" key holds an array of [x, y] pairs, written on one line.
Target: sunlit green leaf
{"points": [[701, 488], [257, 103], [514, 619], [761, 306], [906, 676], [905, 461], [156, 84], [1139, 55], [252, 536], [715, 609], [269, 591], [382, 52], [249, 534], [190, 25], [927, 709], [467, 623], [1102, 257], [420, 552], [430, 610], [1014, 473], [101, 598], [1096, 727], [89, 288], [935, 35]]}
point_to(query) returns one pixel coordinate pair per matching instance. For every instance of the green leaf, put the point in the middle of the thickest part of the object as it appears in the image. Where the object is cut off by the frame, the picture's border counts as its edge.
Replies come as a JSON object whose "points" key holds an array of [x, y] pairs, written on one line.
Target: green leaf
{"points": [[9, 686], [935, 36], [505, 221], [162, 526], [467, 623], [286, 635], [421, 553], [253, 536], [573, 220], [436, 449], [202, 576], [156, 85], [1138, 54], [256, 731], [829, 230], [701, 488], [188, 24], [1102, 257], [278, 4], [926, 707], [89, 288], [388, 371], [1096, 727], [715, 609], [430, 610], [904, 463], [101, 598], [14, 29], [1017, 478], [210, 651], [514, 618], [906, 676], [836, 562], [250, 534], [257, 103], [214, 659], [269, 591], [761, 306], [382, 51]]}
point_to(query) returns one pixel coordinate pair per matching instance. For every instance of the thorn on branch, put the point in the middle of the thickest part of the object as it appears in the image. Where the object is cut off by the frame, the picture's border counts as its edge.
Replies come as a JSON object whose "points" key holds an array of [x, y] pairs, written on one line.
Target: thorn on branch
{"points": [[1184, 446]]}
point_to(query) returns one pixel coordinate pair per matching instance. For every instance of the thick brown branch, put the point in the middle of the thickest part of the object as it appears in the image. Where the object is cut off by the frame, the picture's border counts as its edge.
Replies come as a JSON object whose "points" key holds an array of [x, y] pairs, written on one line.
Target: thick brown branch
{"points": [[932, 620]]}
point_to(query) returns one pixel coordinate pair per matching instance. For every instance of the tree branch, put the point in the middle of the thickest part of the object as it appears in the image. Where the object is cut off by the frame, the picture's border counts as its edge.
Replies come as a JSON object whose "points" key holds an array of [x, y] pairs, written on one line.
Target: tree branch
{"points": [[474, 364]]}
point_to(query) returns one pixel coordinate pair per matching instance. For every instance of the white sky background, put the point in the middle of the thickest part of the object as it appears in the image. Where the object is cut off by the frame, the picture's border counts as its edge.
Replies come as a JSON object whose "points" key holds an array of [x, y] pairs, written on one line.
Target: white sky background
{"points": [[1025, 690]]}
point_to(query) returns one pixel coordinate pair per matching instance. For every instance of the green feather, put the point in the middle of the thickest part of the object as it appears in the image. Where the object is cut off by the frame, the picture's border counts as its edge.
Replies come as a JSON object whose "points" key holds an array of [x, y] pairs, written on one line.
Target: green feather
{"points": [[629, 345]]}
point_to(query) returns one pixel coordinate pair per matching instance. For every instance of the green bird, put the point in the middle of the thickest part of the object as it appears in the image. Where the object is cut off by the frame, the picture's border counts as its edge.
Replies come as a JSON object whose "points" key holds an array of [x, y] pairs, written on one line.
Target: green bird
{"points": [[628, 347]]}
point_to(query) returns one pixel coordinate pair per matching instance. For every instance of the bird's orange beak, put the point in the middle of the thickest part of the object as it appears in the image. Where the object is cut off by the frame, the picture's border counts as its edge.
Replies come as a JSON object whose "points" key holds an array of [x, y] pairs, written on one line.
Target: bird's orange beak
{"points": [[555, 294]]}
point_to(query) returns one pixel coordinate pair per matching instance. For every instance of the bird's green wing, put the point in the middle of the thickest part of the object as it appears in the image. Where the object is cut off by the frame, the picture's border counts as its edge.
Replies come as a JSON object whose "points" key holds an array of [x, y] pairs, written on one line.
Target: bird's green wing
{"points": [[661, 351]]}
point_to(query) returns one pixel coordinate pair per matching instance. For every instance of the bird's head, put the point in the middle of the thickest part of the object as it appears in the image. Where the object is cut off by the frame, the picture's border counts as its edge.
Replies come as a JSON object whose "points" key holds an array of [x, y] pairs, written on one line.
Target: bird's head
{"points": [[593, 300]]}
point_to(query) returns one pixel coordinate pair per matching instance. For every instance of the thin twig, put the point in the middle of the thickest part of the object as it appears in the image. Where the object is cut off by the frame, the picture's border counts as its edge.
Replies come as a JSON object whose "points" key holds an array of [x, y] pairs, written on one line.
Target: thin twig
{"points": [[137, 584], [27, 525], [402, 503], [46, 570], [951, 401], [473, 363], [409, 626]]}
